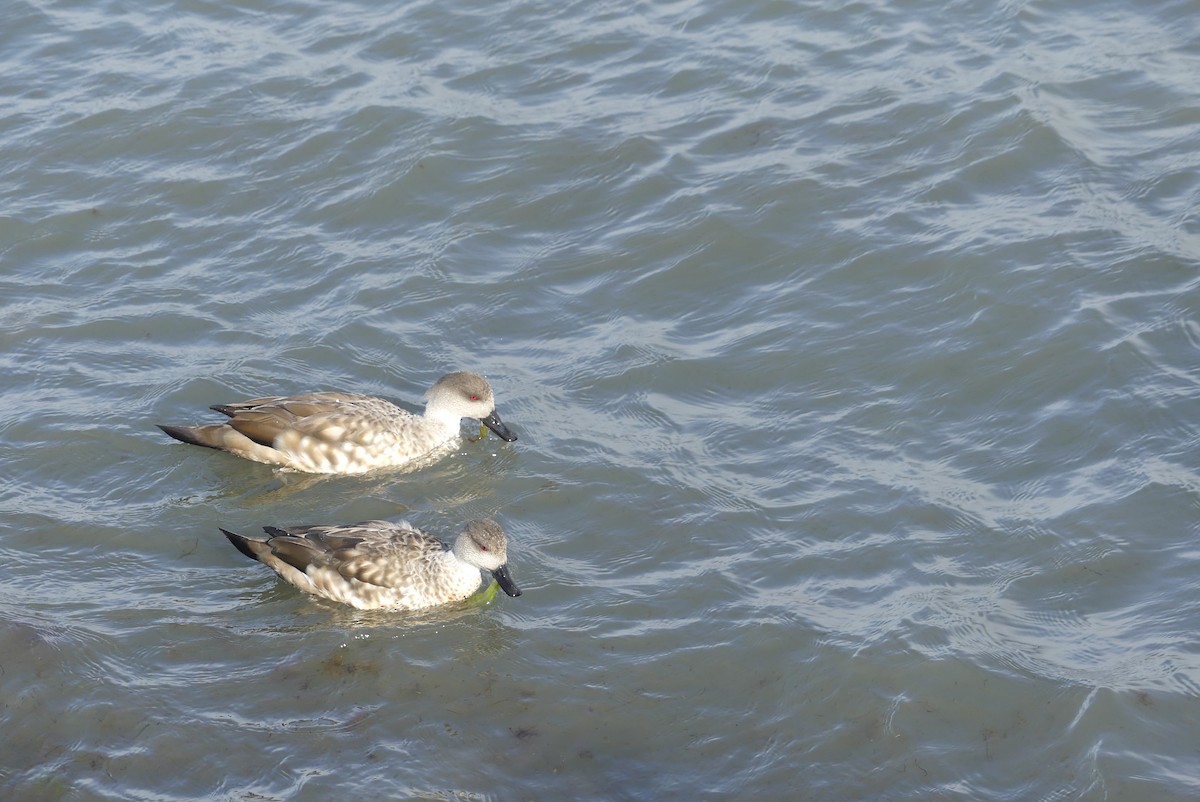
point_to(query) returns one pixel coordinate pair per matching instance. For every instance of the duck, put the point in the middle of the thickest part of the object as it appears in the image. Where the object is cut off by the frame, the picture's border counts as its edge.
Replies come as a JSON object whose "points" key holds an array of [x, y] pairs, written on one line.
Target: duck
{"points": [[348, 433], [379, 565]]}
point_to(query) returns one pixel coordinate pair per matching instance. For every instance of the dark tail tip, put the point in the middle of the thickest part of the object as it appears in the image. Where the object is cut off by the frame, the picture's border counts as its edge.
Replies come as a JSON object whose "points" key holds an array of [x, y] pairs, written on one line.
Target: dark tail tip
{"points": [[240, 542], [183, 434]]}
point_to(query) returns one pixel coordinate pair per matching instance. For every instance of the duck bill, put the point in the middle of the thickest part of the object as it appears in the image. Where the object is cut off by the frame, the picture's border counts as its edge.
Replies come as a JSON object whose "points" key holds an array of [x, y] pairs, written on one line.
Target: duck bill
{"points": [[494, 423], [505, 581]]}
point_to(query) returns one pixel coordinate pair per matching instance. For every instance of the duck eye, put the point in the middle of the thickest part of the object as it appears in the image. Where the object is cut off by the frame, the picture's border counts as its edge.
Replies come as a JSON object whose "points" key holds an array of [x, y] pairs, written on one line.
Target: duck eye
{"points": [[474, 398]]}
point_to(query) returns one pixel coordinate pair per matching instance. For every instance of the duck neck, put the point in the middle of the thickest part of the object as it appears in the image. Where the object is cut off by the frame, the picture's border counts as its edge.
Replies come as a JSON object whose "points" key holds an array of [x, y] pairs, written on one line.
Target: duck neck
{"points": [[444, 420], [466, 576]]}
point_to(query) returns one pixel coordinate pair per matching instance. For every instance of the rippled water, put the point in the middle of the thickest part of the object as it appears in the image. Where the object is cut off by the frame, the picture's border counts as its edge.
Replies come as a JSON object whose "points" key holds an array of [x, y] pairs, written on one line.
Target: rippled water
{"points": [[852, 348]]}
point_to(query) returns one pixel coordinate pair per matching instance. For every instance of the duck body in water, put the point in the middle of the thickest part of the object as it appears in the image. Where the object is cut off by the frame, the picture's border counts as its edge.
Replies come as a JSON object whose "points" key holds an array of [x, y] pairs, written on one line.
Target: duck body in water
{"points": [[347, 433], [382, 565]]}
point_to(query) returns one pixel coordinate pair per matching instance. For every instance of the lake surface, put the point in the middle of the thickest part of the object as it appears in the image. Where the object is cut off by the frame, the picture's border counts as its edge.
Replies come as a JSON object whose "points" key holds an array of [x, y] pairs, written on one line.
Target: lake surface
{"points": [[852, 348]]}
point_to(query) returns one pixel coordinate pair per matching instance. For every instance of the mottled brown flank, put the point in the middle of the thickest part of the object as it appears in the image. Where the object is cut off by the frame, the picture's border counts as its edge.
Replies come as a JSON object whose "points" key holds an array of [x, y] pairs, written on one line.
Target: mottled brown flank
{"points": [[334, 432], [378, 564]]}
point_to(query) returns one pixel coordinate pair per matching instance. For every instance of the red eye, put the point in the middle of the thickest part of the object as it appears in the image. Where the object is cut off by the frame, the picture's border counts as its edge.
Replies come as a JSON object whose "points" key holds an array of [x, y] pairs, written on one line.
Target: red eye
{"points": [[474, 398]]}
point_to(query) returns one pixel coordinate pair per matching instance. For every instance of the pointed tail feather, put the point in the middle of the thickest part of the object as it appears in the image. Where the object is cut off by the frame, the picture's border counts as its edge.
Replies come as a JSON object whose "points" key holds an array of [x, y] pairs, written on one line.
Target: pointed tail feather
{"points": [[193, 435], [224, 438], [248, 546]]}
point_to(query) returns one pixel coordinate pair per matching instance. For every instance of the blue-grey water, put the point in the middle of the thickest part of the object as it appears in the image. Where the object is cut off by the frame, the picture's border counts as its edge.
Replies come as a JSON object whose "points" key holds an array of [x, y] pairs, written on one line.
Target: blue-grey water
{"points": [[853, 349]]}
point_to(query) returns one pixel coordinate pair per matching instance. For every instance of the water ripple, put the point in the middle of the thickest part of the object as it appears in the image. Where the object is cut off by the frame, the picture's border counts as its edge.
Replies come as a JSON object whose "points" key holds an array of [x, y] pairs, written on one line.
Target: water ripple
{"points": [[850, 347]]}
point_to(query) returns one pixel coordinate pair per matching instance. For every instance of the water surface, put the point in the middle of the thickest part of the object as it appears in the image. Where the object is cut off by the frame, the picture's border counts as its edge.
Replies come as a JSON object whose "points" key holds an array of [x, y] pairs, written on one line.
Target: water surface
{"points": [[852, 349]]}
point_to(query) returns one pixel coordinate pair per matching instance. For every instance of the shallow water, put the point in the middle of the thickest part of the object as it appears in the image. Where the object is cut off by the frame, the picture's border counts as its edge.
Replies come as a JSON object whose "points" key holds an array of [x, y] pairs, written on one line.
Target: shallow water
{"points": [[851, 347]]}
